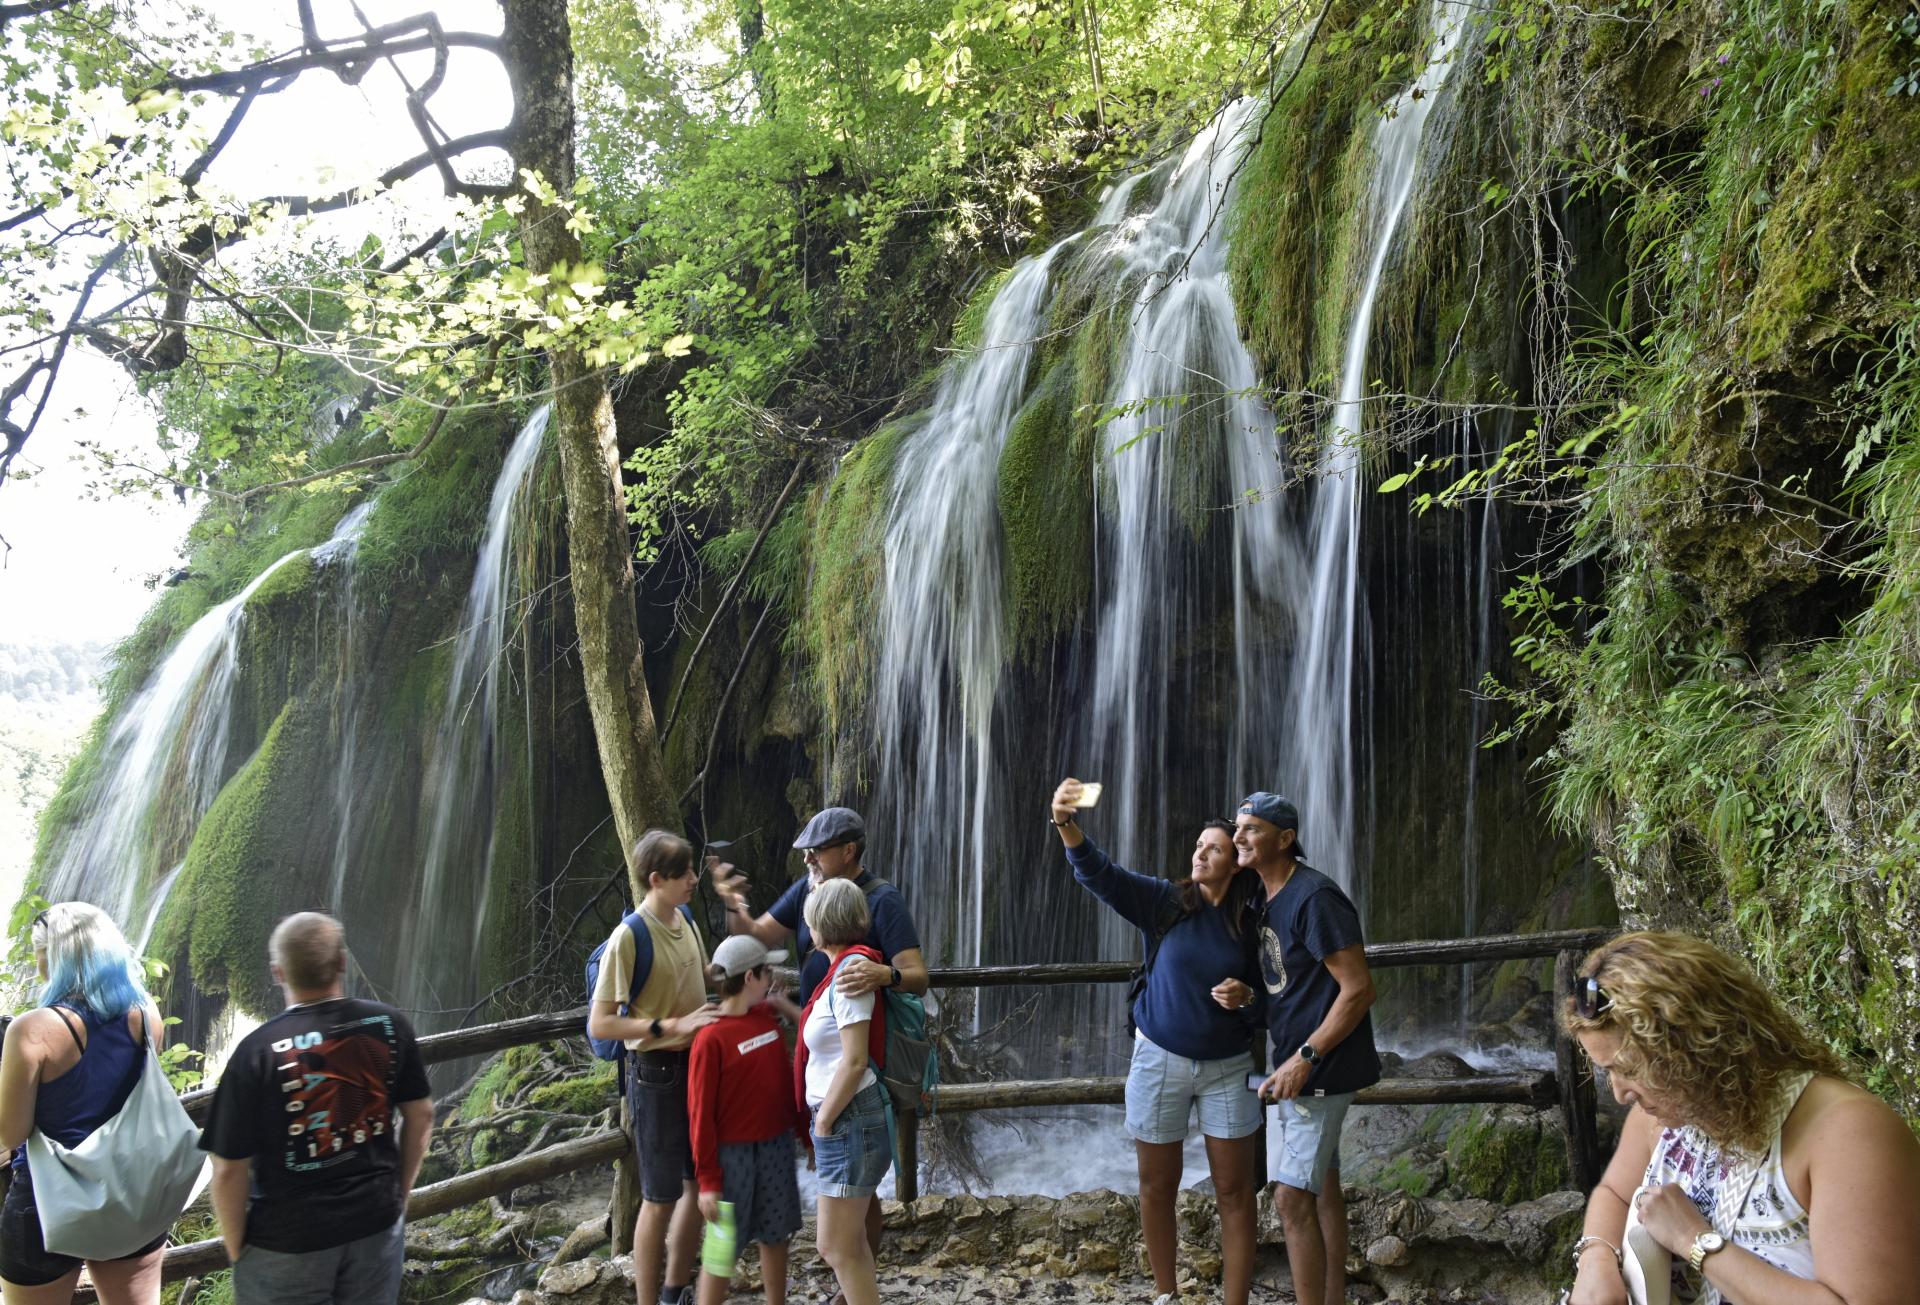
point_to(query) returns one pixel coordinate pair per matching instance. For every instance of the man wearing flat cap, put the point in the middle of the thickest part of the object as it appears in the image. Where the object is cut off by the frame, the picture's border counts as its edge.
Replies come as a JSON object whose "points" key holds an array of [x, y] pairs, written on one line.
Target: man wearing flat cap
{"points": [[831, 845], [1319, 991]]}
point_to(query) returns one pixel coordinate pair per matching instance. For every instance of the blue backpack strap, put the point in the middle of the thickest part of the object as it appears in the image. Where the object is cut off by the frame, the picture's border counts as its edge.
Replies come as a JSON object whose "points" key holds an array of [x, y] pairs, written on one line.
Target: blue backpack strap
{"points": [[642, 956]]}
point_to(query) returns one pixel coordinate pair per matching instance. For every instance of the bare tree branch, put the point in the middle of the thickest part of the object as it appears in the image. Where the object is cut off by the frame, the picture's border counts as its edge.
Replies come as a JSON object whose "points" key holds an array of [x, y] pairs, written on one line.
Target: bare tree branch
{"points": [[17, 435], [32, 8], [726, 599]]}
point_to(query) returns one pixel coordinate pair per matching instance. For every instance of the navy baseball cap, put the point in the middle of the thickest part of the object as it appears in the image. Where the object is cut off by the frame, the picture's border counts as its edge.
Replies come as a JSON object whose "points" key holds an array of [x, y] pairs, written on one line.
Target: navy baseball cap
{"points": [[1273, 809], [832, 827]]}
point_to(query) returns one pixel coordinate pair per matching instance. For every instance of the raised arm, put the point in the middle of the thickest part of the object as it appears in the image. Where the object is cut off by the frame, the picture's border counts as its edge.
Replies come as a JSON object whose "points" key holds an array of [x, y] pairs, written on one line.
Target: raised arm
{"points": [[731, 887]]}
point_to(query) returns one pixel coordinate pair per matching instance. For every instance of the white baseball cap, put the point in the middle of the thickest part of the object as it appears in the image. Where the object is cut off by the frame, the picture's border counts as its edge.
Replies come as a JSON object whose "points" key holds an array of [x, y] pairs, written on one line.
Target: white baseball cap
{"points": [[743, 952]]}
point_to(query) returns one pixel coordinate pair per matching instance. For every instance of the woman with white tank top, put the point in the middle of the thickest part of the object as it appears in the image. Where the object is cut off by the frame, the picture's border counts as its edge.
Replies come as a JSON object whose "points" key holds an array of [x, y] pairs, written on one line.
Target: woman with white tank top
{"points": [[1767, 1176]]}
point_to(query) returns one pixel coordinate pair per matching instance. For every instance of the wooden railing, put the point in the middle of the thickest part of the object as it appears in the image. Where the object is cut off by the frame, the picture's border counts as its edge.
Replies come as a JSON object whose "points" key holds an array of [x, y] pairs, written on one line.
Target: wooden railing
{"points": [[1564, 1087]]}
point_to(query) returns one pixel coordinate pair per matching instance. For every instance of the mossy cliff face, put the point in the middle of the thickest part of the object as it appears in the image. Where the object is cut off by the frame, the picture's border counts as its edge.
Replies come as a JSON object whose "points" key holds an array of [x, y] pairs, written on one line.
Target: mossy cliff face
{"points": [[1674, 245], [343, 670]]}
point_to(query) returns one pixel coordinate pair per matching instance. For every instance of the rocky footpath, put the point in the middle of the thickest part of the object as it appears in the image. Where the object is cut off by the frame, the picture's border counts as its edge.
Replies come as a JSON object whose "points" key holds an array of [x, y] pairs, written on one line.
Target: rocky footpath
{"points": [[1086, 1247]]}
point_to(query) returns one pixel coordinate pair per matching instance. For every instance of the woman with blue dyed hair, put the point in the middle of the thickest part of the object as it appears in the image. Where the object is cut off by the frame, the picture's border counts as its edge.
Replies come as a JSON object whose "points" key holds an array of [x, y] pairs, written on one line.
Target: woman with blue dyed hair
{"points": [[67, 1068]]}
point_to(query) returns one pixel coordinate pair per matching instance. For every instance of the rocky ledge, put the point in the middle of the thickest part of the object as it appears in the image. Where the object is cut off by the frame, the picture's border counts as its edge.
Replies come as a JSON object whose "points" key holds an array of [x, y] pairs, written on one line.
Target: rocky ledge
{"points": [[1086, 1247]]}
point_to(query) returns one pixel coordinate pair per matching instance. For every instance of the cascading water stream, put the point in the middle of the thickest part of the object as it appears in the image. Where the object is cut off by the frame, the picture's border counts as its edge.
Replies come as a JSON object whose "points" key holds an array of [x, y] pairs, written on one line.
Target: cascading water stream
{"points": [[1190, 431], [452, 905], [339, 551], [166, 760], [1223, 649], [1322, 718], [941, 632], [161, 768]]}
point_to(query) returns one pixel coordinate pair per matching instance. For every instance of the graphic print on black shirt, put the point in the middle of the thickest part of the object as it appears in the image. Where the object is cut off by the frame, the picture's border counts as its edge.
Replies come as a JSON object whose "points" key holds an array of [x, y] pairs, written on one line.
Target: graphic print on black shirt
{"points": [[335, 1089], [308, 1097]]}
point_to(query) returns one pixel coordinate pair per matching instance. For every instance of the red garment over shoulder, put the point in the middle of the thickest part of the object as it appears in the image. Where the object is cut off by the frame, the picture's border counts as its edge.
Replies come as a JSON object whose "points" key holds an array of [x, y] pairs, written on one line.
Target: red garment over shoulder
{"points": [[876, 1035], [736, 1088]]}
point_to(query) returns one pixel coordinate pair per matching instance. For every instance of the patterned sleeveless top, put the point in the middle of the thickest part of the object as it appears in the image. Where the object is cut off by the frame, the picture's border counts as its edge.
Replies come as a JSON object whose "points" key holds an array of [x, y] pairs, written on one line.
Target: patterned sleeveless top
{"points": [[1742, 1194]]}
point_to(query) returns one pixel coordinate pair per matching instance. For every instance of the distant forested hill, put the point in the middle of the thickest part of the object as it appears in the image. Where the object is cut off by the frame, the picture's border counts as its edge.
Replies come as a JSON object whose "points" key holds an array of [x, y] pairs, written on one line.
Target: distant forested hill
{"points": [[47, 701]]}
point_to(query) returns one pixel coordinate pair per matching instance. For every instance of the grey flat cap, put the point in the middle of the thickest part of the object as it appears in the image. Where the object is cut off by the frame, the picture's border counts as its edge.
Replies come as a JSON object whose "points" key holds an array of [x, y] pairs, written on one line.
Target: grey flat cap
{"points": [[832, 827]]}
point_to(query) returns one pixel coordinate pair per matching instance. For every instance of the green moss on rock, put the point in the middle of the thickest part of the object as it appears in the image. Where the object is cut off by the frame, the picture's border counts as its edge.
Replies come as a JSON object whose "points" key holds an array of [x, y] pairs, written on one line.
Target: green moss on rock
{"points": [[234, 876], [1046, 511], [1505, 1154], [583, 1094], [849, 519]]}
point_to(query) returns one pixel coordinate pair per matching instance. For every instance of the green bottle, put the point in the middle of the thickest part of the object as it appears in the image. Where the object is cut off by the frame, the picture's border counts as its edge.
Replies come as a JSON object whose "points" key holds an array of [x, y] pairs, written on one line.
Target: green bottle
{"points": [[720, 1247]]}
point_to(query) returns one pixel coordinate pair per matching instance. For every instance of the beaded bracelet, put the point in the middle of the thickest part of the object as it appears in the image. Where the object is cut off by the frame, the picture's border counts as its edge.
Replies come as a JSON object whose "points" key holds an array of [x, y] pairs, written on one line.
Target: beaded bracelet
{"points": [[1589, 1241]]}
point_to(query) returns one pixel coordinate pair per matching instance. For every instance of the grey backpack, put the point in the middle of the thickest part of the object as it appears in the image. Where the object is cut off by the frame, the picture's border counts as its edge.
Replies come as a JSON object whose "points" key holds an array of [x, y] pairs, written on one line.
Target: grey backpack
{"points": [[128, 1180]]}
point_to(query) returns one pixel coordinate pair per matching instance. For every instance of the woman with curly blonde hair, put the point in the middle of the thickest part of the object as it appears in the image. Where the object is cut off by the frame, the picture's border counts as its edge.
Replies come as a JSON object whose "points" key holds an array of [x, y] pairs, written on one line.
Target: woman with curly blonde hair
{"points": [[1770, 1178]]}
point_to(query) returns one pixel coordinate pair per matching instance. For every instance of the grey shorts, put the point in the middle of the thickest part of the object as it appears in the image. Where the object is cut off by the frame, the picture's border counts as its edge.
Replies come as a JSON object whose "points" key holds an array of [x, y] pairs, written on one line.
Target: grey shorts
{"points": [[760, 1181], [363, 1272], [1303, 1140]]}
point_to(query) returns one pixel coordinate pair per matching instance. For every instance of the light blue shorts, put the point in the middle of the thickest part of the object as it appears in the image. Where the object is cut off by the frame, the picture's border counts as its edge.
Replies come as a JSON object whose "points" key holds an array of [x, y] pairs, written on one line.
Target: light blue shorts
{"points": [[1303, 1140], [1162, 1090]]}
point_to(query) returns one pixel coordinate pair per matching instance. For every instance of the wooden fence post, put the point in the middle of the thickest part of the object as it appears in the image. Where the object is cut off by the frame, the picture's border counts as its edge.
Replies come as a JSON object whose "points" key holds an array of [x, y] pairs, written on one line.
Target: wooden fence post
{"points": [[906, 1181], [1578, 1109], [624, 1207]]}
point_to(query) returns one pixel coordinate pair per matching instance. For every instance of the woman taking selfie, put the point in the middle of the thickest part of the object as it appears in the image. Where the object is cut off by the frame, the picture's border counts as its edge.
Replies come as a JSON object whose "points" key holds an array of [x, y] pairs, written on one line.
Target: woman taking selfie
{"points": [[1194, 1017], [1766, 1176]]}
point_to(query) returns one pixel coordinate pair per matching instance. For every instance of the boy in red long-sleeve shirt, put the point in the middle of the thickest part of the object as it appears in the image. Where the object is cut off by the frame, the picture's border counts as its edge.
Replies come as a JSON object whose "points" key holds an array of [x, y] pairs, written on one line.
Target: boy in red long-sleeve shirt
{"points": [[740, 1105]]}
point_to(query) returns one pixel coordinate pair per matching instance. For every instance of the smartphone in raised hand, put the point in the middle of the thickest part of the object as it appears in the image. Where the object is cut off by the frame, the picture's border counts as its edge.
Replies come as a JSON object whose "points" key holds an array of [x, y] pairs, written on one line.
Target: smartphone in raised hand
{"points": [[1089, 795]]}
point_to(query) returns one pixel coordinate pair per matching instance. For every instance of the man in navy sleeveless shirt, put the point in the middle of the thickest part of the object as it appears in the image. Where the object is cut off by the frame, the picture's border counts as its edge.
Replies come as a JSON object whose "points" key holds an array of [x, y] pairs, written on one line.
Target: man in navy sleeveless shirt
{"points": [[1319, 991], [309, 1181]]}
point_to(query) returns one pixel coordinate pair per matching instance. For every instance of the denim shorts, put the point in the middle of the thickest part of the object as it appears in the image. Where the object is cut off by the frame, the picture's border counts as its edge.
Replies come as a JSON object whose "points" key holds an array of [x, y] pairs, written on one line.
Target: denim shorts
{"points": [[1303, 1140], [25, 1260], [854, 1158], [662, 1135], [1162, 1090]]}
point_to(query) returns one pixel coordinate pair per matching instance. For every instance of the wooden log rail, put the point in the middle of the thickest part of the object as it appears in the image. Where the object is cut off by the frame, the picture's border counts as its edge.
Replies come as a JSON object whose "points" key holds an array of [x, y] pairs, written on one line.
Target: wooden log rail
{"points": [[600, 1148], [1568, 1085]]}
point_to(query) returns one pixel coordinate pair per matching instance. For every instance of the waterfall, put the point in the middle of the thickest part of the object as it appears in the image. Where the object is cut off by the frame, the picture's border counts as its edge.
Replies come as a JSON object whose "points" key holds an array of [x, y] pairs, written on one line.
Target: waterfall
{"points": [[166, 760], [964, 746], [1185, 395], [161, 767], [458, 794], [941, 629], [1325, 699], [339, 551], [1223, 648]]}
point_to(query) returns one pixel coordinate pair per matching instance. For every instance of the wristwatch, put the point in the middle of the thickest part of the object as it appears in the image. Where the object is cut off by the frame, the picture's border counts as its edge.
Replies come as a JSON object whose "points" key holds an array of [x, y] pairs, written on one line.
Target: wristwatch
{"points": [[1704, 1245], [896, 976], [655, 1031], [1308, 1054]]}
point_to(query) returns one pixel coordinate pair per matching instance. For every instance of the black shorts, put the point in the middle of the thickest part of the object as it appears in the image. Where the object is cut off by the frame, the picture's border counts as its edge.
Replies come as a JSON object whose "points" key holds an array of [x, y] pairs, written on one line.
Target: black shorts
{"points": [[25, 1260], [657, 1097]]}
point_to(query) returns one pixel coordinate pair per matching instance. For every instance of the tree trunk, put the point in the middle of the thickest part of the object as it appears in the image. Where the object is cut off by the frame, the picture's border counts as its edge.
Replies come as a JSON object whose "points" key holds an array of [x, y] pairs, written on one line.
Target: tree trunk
{"points": [[537, 48]]}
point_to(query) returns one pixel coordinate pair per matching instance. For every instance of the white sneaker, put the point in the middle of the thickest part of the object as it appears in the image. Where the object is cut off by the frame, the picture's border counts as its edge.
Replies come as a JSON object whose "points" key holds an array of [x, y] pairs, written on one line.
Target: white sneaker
{"points": [[1167, 1298]]}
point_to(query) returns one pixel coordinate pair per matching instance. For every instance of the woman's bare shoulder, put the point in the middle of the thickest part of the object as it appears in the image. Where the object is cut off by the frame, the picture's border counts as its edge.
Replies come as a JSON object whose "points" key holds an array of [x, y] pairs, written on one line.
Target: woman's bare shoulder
{"points": [[1843, 1122], [38, 1029]]}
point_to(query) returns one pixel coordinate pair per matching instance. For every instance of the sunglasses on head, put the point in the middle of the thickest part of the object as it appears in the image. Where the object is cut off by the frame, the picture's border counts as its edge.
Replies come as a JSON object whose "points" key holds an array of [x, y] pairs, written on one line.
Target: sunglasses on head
{"points": [[1590, 1000]]}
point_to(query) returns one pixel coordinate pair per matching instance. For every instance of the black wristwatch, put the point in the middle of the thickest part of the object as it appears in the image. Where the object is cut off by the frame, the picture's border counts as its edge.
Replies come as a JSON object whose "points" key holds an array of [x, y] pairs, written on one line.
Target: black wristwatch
{"points": [[896, 976], [656, 1031], [1308, 1054]]}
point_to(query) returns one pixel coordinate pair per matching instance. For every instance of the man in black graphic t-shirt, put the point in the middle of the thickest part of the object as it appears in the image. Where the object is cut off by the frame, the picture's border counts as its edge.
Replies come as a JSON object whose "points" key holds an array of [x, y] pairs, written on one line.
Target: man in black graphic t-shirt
{"points": [[1313, 963], [310, 1181]]}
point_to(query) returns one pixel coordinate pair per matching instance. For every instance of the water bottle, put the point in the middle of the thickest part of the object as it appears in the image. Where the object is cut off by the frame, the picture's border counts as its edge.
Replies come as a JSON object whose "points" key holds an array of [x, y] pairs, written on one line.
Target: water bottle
{"points": [[719, 1248]]}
